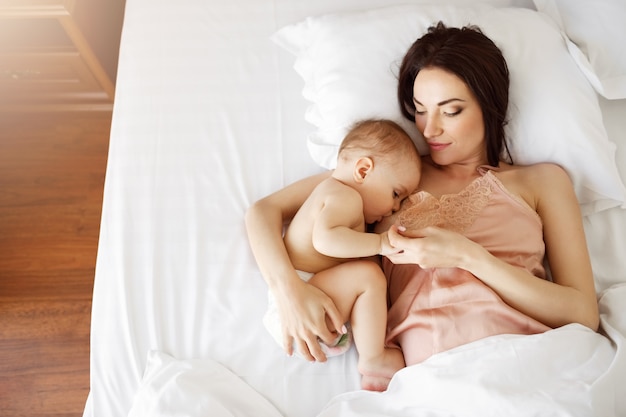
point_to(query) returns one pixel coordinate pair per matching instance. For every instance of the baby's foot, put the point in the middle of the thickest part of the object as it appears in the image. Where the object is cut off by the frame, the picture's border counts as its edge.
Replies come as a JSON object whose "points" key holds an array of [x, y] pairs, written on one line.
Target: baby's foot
{"points": [[378, 371], [375, 383]]}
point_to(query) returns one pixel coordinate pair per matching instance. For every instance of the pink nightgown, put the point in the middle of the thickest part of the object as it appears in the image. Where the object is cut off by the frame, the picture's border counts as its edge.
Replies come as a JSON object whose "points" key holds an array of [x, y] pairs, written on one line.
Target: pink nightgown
{"points": [[433, 310]]}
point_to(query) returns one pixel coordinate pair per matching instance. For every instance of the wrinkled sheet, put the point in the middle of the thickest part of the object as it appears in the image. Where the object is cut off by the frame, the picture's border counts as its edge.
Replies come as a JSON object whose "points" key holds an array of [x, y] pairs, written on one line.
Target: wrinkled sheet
{"points": [[195, 387], [569, 371]]}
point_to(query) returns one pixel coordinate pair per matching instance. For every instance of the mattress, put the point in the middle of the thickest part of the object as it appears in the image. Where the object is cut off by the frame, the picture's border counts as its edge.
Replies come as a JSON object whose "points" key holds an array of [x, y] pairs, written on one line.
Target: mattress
{"points": [[208, 118]]}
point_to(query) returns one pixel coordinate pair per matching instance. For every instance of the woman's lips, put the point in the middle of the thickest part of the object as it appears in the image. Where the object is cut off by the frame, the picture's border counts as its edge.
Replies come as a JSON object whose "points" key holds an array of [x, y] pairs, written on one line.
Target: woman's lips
{"points": [[438, 146]]}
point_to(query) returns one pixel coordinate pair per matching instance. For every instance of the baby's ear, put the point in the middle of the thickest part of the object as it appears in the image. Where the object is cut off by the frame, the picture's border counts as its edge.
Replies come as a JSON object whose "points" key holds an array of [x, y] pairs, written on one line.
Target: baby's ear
{"points": [[362, 167]]}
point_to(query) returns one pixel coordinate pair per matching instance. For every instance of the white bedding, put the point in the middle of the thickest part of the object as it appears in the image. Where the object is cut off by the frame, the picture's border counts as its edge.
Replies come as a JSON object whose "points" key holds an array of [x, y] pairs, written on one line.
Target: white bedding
{"points": [[208, 118]]}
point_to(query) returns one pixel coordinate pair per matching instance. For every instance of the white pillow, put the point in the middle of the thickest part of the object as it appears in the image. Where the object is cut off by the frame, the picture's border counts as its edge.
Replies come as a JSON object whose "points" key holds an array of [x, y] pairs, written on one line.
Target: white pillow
{"points": [[596, 32], [349, 64], [195, 387]]}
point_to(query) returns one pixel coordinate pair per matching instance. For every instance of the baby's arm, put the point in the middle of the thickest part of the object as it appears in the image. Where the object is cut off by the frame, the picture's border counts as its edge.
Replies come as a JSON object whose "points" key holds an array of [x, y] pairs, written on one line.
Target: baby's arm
{"points": [[339, 229]]}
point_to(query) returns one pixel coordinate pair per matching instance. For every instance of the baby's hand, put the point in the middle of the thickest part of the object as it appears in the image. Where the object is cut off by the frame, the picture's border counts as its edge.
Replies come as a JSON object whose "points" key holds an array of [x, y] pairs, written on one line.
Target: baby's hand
{"points": [[385, 247]]}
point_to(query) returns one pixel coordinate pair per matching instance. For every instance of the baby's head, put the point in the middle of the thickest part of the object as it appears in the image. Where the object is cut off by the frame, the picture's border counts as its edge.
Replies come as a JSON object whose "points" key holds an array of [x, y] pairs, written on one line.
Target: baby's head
{"points": [[384, 165]]}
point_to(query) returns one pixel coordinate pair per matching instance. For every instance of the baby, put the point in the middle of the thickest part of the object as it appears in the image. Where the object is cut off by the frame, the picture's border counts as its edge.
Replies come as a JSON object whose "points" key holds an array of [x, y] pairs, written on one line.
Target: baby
{"points": [[378, 166]]}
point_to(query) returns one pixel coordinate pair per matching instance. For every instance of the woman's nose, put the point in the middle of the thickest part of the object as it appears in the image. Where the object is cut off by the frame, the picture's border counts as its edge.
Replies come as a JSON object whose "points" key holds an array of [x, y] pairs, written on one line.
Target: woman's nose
{"points": [[432, 128]]}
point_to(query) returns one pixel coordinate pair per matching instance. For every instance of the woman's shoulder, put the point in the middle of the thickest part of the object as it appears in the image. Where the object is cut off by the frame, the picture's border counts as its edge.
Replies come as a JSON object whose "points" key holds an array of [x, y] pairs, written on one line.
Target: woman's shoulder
{"points": [[541, 172], [534, 182]]}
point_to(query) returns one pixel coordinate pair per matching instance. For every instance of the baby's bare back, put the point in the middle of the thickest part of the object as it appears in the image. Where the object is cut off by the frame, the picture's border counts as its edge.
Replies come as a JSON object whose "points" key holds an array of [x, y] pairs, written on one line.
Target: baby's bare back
{"points": [[299, 235]]}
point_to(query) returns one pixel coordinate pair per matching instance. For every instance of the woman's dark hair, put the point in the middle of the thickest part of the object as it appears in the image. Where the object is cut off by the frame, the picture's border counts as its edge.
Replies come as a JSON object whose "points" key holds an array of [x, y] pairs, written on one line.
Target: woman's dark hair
{"points": [[470, 55]]}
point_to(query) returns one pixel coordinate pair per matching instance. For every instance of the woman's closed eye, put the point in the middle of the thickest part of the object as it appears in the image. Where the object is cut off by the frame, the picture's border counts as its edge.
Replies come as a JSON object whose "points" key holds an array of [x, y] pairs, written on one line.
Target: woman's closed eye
{"points": [[450, 113], [453, 112]]}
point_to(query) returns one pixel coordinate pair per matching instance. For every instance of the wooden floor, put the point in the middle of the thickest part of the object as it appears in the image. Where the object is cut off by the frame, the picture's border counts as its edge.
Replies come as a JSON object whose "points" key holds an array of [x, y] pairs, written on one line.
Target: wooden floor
{"points": [[52, 170]]}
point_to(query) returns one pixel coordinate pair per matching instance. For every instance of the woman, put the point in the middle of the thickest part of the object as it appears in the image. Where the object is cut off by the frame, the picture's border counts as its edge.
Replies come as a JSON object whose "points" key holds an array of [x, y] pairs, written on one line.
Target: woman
{"points": [[489, 238]]}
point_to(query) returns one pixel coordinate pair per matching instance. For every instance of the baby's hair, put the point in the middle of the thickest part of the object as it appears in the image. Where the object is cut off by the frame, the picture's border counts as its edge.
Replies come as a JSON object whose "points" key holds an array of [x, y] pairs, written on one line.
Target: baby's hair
{"points": [[378, 139]]}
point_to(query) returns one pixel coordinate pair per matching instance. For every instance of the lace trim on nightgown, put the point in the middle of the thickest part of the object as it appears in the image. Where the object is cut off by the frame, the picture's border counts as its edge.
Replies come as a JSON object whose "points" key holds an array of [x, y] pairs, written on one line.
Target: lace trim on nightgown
{"points": [[454, 212]]}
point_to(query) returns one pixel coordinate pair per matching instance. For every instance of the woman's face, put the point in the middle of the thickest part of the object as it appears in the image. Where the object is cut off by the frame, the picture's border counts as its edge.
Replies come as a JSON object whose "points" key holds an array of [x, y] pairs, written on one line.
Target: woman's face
{"points": [[449, 117]]}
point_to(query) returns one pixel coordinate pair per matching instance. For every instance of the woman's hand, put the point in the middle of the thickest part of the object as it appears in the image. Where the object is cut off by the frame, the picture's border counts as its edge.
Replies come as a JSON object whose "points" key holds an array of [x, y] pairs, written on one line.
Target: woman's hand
{"points": [[302, 307], [303, 312], [430, 247]]}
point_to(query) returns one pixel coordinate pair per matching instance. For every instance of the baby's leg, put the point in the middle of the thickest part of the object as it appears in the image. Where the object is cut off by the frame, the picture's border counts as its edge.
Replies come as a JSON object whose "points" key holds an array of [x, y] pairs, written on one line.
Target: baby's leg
{"points": [[358, 289]]}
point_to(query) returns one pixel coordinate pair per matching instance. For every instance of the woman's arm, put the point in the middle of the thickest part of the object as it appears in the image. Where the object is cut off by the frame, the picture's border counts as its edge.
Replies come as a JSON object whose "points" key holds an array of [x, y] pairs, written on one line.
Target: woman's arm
{"points": [[566, 247], [570, 298], [303, 308]]}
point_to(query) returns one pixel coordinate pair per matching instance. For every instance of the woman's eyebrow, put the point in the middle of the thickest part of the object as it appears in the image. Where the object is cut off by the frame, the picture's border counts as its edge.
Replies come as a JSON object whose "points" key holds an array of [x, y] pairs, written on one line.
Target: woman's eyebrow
{"points": [[441, 103]]}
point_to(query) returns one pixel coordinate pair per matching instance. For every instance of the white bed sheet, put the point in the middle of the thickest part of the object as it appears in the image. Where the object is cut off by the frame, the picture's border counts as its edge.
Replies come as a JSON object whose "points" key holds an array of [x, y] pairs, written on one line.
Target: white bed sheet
{"points": [[208, 118]]}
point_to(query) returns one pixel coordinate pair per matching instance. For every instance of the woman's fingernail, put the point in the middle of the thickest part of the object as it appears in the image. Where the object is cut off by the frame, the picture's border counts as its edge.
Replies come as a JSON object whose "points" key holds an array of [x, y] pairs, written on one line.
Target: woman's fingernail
{"points": [[402, 228], [344, 329]]}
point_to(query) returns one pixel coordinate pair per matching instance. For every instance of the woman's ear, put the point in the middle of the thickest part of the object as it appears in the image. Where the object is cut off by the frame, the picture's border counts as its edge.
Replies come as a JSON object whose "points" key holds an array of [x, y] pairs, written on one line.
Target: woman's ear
{"points": [[362, 167]]}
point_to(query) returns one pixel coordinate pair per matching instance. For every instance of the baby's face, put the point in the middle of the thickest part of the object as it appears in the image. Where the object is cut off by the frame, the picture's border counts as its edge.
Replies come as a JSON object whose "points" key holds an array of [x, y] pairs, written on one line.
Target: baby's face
{"points": [[386, 186]]}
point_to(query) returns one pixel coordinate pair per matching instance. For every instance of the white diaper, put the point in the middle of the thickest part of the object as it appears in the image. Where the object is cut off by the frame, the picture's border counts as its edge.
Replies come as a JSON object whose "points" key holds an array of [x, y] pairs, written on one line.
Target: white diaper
{"points": [[271, 320]]}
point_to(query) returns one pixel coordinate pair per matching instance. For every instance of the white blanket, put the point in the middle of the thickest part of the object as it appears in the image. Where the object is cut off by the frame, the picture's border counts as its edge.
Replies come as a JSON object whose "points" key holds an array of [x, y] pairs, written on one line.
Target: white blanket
{"points": [[484, 379], [569, 371]]}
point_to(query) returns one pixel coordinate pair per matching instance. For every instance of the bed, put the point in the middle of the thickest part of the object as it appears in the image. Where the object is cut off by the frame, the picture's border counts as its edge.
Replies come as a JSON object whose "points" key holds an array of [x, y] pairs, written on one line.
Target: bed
{"points": [[221, 103]]}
